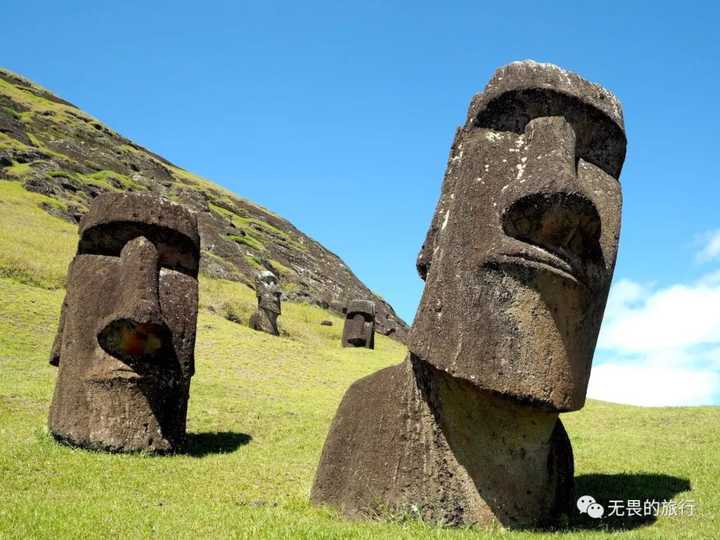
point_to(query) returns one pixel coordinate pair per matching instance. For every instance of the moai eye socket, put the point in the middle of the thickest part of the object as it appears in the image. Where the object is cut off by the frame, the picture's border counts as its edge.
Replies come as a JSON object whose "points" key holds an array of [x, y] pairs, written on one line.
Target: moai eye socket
{"points": [[600, 140], [175, 250]]}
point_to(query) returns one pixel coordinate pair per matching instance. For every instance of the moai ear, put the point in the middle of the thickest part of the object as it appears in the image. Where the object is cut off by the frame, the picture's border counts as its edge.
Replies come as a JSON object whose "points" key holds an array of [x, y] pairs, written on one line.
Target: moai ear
{"points": [[57, 344]]}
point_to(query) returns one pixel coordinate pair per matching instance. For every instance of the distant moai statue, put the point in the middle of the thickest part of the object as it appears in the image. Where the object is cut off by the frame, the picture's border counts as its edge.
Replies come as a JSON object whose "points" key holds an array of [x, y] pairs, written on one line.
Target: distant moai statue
{"points": [[359, 329], [517, 262], [125, 343], [268, 309]]}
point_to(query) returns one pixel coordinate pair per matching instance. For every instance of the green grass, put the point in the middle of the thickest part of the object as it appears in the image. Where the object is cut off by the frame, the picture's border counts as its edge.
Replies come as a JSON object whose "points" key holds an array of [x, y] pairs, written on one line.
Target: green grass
{"points": [[35, 248], [252, 226], [259, 412], [255, 262], [203, 184], [17, 170], [102, 178], [8, 142], [247, 240], [281, 268]]}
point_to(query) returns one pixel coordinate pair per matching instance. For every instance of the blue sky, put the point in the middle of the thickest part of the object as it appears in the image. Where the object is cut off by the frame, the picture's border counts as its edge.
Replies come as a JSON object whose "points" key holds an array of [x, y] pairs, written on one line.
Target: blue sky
{"points": [[340, 116]]}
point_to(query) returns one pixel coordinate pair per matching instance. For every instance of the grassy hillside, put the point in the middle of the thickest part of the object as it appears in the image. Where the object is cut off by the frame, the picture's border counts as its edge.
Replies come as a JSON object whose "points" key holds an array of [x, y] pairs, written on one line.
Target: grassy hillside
{"points": [[259, 412], [51, 148]]}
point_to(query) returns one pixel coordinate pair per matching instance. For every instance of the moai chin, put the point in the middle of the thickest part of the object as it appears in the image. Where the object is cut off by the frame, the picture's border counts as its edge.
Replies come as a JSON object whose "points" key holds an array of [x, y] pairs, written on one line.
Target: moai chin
{"points": [[359, 329], [125, 343], [517, 262], [268, 296]]}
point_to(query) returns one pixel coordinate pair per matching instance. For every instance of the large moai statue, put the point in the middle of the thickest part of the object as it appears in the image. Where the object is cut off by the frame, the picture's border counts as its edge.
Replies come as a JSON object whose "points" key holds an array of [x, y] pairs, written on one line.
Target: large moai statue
{"points": [[268, 309], [517, 262], [359, 329], [125, 343]]}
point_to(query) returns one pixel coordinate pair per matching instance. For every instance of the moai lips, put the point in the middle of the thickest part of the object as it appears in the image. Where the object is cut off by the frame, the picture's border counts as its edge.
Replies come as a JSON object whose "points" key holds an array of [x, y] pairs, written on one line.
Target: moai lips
{"points": [[125, 343], [517, 262], [359, 329], [268, 296]]}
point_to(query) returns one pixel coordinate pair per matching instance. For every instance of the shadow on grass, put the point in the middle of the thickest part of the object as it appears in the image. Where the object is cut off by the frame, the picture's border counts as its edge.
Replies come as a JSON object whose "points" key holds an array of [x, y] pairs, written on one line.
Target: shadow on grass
{"points": [[646, 488], [223, 442]]}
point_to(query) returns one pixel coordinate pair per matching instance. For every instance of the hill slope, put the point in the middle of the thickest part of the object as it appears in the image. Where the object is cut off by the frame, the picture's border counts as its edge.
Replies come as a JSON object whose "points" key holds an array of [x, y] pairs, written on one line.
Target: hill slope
{"points": [[53, 148]]}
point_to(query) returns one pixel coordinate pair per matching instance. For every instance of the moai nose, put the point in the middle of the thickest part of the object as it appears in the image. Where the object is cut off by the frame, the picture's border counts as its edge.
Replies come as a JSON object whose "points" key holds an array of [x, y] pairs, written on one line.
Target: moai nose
{"points": [[554, 212], [549, 160], [566, 224], [135, 330]]}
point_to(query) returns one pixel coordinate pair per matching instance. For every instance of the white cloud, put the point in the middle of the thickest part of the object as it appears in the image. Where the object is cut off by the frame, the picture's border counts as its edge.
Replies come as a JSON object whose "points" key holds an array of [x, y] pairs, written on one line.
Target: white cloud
{"points": [[625, 293], [711, 249], [648, 384], [660, 346], [675, 317]]}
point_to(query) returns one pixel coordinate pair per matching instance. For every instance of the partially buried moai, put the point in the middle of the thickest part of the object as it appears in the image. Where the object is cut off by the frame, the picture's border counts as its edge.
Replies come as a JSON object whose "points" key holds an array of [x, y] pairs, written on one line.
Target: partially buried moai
{"points": [[125, 343], [359, 329], [517, 262], [268, 309]]}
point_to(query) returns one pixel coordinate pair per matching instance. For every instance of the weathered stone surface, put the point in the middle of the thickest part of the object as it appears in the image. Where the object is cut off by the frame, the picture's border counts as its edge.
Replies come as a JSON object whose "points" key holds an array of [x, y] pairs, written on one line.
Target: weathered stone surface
{"points": [[268, 296], [523, 242], [411, 438], [517, 262], [125, 342], [359, 329]]}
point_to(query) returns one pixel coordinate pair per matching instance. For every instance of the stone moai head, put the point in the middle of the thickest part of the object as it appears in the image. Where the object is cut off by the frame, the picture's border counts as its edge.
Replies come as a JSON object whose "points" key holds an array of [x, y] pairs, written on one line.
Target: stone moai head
{"points": [[126, 339], [521, 250], [268, 292], [359, 330]]}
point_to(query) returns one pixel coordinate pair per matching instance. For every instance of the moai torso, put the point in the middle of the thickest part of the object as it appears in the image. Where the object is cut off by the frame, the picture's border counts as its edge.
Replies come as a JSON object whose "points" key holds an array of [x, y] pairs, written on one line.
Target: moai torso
{"points": [[125, 343], [359, 329], [268, 296], [517, 263]]}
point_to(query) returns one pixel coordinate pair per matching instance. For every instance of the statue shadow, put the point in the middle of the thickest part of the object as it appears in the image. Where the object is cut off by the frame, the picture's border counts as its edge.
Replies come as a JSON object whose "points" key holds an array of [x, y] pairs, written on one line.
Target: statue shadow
{"points": [[223, 442], [624, 487]]}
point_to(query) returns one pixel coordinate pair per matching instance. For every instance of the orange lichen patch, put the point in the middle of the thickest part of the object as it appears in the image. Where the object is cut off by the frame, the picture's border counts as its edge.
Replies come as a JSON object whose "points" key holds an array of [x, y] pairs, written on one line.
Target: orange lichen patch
{"points": [[129, 341], [140, 340]]}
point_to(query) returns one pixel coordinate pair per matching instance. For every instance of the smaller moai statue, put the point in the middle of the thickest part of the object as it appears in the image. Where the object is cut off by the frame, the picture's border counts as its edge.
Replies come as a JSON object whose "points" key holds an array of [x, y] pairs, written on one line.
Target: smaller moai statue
{"points": [[124, 348], [268, 295], [359, 330]]}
